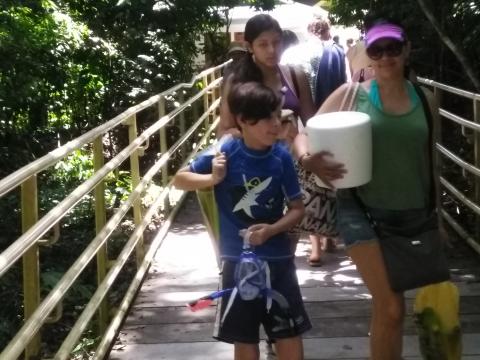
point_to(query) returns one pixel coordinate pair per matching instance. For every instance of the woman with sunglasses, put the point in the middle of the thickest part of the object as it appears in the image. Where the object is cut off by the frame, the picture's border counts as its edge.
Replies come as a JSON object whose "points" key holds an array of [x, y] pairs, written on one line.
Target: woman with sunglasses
{"points": [[399, 192]]}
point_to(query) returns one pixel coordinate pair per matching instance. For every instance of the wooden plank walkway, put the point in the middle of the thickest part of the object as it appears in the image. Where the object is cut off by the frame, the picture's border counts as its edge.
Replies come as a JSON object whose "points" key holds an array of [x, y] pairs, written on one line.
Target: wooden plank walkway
{"points": [[159, 325]]}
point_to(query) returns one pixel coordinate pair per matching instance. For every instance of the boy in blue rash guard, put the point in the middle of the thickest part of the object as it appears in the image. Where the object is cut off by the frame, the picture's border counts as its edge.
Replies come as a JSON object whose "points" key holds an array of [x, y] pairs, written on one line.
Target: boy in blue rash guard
{"points": [[252, 177]]}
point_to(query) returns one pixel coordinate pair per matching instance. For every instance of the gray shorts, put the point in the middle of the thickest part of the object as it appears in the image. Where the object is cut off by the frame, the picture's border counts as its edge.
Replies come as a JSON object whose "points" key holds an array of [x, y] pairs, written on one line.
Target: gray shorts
{"points": [[354, 226]]}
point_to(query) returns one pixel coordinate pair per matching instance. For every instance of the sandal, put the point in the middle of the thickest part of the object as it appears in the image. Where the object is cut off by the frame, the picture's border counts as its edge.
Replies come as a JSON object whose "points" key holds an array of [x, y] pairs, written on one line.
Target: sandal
{"points": [[315, 262], [330, 246]]}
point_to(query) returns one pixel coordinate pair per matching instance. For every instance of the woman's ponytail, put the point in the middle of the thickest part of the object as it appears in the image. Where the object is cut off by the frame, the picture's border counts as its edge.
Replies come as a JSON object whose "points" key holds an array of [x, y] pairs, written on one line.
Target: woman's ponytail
{"points": [[246, 70]]}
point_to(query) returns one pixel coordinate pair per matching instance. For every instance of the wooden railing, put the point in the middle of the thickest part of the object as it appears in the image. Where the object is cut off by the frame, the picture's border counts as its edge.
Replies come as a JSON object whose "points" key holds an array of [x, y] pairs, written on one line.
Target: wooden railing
{"points": [[202, 104]]}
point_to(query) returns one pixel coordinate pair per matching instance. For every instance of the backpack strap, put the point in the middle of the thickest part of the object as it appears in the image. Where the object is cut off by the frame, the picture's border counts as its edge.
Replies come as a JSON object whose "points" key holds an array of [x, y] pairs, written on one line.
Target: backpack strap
{"points": [[294, 80], [330, 72], [349, 97], [429, 117]]}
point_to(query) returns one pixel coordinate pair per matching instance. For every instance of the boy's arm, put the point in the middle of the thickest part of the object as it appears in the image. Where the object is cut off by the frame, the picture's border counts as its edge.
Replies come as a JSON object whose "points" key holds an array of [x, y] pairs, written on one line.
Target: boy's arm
{"points": [[260, 233], [185, 179]]}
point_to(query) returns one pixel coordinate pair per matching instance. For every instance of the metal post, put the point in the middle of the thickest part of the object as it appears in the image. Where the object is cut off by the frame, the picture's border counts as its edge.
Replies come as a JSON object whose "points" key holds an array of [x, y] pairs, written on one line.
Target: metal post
{"points": [[31, 268], [476, 119], [181, 123], [135, 171], [206, 102], [163, 150], [437, 157], [213, 96], [195, 111], [100, 220]]}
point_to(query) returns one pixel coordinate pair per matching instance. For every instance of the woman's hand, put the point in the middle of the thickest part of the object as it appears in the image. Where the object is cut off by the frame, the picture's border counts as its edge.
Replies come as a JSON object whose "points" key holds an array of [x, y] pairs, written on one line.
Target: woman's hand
{"points": [[259, 233], [323, 166], [219, 168]]}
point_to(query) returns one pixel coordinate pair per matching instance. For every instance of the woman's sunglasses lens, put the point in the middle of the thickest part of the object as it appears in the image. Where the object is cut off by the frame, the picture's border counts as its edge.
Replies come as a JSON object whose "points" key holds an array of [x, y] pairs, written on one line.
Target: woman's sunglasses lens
{"points": [[393, 49], [375, 52]]}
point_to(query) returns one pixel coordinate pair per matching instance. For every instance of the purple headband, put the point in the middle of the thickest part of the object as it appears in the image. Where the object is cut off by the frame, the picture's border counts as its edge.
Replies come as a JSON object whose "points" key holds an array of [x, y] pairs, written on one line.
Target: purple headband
{"points": [[384, 31]]}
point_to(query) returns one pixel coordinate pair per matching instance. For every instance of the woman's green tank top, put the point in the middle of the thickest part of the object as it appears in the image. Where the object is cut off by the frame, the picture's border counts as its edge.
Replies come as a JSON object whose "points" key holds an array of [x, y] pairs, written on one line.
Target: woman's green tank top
{"points": [[400, 164]]}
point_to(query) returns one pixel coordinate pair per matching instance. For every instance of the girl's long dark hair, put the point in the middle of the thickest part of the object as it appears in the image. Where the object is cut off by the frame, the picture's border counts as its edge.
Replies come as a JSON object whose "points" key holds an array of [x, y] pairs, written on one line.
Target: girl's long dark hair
{"points": [[246, 69]]}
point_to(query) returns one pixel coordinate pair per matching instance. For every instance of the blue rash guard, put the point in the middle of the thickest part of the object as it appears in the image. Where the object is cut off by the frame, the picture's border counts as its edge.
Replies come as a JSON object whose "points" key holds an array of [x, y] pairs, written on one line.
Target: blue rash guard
{"points": [[253, 192]]}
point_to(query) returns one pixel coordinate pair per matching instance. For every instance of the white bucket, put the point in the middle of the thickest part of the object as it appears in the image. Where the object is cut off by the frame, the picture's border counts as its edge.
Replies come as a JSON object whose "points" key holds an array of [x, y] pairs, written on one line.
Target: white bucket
{"points": [[348, 136]]}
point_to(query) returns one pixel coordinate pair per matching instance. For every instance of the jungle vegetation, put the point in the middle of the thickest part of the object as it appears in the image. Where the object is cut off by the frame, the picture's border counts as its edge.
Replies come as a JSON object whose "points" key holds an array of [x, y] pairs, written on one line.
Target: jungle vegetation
{"points": [[67, 66]]}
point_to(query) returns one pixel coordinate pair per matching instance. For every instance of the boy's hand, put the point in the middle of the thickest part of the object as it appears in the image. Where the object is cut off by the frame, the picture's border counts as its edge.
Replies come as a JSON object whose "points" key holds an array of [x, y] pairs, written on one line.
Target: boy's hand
{"points": [[259, 233], [219, 168]]}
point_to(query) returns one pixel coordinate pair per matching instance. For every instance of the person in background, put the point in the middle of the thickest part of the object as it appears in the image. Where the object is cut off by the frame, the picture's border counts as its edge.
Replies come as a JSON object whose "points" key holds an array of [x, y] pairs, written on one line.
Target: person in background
{"points": [[336, 40], [316, 57], [263, 37], [235, 52], [359, 62], [349, 43], [305, 55], [252, 176], [332, 70], [399, 194], [289, 39]]}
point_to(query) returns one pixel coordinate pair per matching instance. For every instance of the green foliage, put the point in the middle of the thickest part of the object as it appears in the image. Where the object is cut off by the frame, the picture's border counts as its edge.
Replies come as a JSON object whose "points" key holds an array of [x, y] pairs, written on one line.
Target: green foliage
{"points": [[430, 55], [77, 167], [85, 347], [79, 294], [69, 65]]}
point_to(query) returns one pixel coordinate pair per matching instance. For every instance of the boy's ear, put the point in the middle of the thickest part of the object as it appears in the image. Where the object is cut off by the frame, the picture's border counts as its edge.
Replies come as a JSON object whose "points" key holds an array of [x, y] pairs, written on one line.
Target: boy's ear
{"points": [[239, 121]]}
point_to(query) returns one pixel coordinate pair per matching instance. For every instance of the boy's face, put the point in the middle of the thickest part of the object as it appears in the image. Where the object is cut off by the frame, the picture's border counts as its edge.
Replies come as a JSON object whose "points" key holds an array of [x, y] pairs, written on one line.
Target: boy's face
{"points": [[263, 134]]}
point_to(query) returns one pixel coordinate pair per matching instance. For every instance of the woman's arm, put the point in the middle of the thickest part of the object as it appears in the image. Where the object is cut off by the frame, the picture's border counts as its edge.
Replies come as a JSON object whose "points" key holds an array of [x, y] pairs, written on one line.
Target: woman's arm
{"points": [[334, 100], [321, 163], [227, 123]]}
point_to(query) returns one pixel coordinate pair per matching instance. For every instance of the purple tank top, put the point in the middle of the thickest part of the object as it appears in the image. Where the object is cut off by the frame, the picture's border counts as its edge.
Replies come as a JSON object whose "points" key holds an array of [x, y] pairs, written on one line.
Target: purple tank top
{"points": [[290, 100]]}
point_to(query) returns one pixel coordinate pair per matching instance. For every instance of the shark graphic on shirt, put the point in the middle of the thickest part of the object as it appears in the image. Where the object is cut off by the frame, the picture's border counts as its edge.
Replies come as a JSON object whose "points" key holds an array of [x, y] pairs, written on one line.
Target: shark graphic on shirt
{"points": [[249, 199]]}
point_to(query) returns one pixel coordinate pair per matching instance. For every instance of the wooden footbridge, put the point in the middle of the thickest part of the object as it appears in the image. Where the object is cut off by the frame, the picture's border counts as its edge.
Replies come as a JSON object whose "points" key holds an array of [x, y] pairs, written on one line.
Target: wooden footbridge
{"points": [[177, 265], [159, 326]]}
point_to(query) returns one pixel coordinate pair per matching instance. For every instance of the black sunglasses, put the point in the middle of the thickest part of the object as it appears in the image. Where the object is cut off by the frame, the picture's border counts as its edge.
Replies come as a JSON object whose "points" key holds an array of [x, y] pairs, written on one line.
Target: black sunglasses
{"points": [[391, 49]]}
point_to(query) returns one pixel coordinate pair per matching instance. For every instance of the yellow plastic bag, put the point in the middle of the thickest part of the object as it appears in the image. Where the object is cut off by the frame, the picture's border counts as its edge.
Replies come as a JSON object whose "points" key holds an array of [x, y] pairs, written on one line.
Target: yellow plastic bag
{"points": [[208, 206], [436, 311]]}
